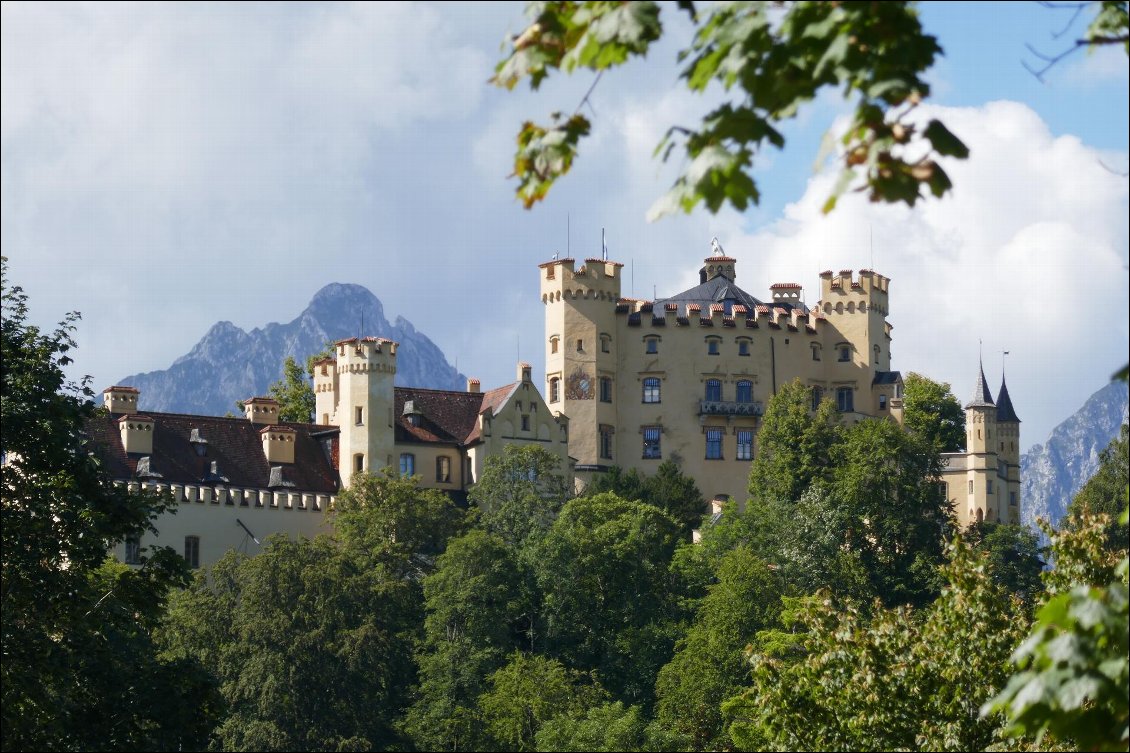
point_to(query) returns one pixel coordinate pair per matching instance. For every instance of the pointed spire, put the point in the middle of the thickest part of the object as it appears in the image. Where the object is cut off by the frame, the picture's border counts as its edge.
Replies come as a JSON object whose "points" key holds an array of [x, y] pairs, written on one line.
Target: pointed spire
{"points": [[982, 398], [1005, 412]]}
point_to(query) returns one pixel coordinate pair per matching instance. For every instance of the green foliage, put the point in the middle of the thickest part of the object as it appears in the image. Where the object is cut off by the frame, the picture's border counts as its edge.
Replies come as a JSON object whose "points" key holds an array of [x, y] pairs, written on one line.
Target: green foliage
{"points": [[709, 664], [669, 489], [900, 680], [479, 609], [772, 62], [793, 445], [1014, 553], [520, 494], [79, 669], [1074, 678], [294, 393], [604, 570], [932, 413], [610, 727], [529, 691], [1105, 491]]}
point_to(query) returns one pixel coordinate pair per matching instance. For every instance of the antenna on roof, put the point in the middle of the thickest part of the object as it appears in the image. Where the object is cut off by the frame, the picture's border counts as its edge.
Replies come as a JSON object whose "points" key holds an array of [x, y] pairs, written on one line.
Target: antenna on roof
{"points": [[568, 236], [361, 332], [1003, 354], [871, 232], [603, 246]]}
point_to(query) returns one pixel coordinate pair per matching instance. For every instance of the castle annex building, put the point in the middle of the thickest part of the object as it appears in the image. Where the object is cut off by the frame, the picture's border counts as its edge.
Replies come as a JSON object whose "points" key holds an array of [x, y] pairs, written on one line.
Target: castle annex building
{"points": [[687, 377], [239, 480]]}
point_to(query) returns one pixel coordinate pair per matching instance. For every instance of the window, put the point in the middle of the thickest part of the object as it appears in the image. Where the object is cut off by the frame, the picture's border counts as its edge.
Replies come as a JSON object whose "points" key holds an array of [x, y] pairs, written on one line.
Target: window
{"points": [[651, 390], [712, 346], [606, 389], [325, 419], [882, 402], [714, 389], [407, 464], [606, 442], [133, 550], [1012, 498], [989, 486], [743, 347], [443, 469], [876, 354], [651, 448], [192, 551], [714, 444], [554, 390], [845, 353], [652, 345], [359, 462], [525, 423], [845, 399], [745, 444], [359, 415], [817, 397], [580, 346], [553, 341], [815, 352], [744, 392], [971, 486], [605, 343]]}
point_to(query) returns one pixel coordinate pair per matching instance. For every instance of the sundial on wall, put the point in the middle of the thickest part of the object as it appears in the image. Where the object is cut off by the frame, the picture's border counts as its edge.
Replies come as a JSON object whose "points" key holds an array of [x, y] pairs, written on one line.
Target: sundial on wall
{"points": [[578, 386]]}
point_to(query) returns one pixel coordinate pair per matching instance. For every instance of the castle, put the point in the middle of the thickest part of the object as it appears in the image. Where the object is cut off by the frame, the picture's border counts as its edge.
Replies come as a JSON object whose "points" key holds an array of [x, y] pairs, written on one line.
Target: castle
{"points": [[687, 377], [629, 383]]}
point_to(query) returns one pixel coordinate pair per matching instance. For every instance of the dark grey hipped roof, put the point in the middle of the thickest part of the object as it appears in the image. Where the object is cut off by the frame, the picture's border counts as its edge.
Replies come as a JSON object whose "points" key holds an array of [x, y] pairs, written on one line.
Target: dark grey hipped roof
{"points": [[981, 396], [1005, 412], [886, 377], [717, 290]]}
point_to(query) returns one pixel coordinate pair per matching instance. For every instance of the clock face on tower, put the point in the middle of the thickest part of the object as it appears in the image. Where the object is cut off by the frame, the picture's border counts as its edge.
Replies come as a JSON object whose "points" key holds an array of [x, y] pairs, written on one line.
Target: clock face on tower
{"points": [[578, 386]]}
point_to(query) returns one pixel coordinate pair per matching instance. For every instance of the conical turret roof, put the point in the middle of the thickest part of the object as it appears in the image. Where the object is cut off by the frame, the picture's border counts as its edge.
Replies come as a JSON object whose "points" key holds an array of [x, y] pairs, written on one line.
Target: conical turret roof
{"points": [[982, 398], [1005, 412]]}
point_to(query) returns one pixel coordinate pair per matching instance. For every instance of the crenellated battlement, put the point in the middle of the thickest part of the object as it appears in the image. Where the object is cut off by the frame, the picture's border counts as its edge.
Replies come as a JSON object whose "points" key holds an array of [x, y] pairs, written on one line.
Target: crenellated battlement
{"points": [[232, 496], [693, 315], [596, 279], [843, 293]]}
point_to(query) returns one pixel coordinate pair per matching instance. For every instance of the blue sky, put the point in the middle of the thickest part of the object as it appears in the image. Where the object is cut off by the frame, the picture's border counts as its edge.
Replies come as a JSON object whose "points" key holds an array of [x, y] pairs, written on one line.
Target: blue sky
{"points": [[168, 166]]}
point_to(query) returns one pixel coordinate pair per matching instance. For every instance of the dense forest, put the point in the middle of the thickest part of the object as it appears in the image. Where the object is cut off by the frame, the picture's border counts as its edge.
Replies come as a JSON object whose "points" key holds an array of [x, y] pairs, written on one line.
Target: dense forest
{"points": [[837, 608]]}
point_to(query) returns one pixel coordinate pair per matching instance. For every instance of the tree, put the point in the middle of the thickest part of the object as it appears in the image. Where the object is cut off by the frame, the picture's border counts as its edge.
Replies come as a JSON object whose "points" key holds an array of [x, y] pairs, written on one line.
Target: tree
{"points": [[669, 489], [520, 494], [293, 391], [479, 610], [900, 680], [609, 594], [1014, 552], [1073, 677], [774, 58], [931, 412], [773, 63], [1105, 492], [794, 445], [609, 727], [709, 665], [529, 691], [79, 668]]}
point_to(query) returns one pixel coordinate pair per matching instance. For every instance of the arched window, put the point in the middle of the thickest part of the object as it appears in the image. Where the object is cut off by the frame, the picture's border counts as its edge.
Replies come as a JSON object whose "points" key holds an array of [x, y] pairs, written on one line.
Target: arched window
{"points": [[713, 389], [554, 342], [744, 391], [554, 390], [651, 390]]}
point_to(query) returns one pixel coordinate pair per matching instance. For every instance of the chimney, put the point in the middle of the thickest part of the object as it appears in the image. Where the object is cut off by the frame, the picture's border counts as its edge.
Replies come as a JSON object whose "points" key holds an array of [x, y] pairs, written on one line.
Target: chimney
{"points": [[473, 385], [278, 443], [262, 410], [121, 399], [137, 433], [524, 372]]}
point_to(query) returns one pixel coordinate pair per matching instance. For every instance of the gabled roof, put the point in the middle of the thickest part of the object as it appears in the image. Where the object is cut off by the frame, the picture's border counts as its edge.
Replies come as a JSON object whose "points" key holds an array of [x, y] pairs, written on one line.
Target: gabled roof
{"points": [[716, 290], [1005, 412], [446, 416], [233, 444], [981, 396]]}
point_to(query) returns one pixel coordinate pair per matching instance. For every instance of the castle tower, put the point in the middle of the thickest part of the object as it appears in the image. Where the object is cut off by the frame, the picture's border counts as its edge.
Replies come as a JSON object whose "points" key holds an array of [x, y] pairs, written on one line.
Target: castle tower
{"points": [[982, 482], [581, 350], [857, 311], [1008, 442], [363, 400]]}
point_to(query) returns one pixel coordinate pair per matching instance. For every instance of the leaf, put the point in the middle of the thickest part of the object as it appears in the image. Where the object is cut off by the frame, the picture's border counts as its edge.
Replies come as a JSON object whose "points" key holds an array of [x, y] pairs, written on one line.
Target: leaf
{"points": [[944, 142]]}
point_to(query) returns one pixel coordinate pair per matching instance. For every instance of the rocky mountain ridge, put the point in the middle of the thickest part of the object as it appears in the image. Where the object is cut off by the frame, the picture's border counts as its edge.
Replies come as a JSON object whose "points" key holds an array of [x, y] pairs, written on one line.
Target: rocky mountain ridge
{"points": [[230, 364]]}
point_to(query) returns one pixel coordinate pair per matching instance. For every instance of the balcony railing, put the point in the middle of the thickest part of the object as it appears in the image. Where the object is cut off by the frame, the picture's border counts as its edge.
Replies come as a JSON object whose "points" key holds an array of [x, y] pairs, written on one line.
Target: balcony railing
{"points": [[728, 408]]}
